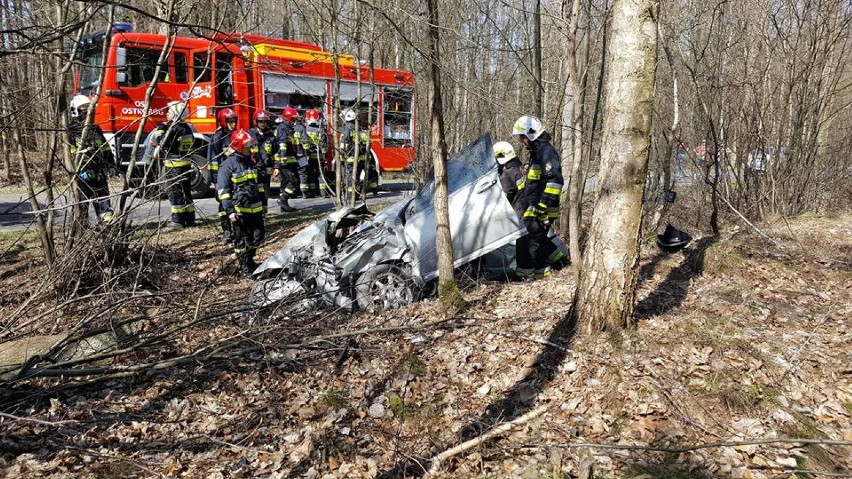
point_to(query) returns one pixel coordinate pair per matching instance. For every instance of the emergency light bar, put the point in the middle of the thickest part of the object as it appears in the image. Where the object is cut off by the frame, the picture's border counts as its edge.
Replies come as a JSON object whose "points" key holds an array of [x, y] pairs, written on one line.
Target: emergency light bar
{"points": [[124, 27]]}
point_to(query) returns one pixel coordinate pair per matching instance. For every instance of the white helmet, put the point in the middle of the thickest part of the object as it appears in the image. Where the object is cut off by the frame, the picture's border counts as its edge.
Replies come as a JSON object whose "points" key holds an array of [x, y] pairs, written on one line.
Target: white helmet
{"points": [[79, 104], [528, 126], [177, 111], [348, 114], [503, 152]]}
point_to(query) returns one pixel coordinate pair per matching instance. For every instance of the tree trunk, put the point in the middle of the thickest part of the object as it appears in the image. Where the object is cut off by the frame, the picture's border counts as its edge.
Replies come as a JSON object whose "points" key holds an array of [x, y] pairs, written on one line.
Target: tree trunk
{"points": [[538, 85], [448, 290], [572, 137], [606, 291]]}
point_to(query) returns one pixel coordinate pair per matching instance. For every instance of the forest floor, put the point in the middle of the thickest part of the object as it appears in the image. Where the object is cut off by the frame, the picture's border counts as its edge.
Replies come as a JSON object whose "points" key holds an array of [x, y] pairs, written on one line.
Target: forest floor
{"points": [[740, 341]]}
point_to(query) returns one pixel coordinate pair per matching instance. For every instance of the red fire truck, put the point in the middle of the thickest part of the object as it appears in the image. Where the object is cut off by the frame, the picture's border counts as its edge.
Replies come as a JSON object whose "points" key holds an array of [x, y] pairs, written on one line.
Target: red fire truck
{"points": [[244, 72]]}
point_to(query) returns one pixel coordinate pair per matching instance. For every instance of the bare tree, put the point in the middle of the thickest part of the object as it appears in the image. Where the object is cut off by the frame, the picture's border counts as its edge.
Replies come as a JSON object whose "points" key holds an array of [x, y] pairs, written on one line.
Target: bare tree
{"points": [[447, 288], [606, 290]]}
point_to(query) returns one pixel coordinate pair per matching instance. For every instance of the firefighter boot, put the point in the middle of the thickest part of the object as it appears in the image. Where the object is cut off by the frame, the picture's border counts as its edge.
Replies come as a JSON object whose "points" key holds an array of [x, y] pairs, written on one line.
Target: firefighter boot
{"points": [[245, 265], [284, 203], [227, 232]]}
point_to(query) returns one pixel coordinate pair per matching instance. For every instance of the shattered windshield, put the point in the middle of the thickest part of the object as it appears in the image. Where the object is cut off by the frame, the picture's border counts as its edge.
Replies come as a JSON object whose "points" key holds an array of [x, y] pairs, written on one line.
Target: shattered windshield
{"points": [[463, 169]]}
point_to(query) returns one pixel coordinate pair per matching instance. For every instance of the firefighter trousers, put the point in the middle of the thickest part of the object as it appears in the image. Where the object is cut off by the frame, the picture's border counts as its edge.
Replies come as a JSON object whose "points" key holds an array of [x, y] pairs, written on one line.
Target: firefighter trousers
{"points": [[533, 250], [309, 178], [180, 195], [96, 191], [289, 181], [249, 232]]}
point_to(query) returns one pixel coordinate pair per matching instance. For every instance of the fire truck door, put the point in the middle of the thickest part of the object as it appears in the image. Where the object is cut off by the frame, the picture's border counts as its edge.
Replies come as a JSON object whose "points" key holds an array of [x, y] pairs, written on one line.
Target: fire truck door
{"points": [[202, 96], [224, 79]]}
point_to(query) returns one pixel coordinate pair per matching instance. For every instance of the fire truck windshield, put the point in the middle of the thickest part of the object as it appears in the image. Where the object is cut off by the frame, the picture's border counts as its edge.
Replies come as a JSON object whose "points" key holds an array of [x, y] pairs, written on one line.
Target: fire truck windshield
{"points": [[90, 70]]}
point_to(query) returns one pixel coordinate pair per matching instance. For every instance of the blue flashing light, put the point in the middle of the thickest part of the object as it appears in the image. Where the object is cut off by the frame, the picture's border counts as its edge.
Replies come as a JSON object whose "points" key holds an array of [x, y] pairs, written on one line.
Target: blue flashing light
{"points": [[122, 27]]}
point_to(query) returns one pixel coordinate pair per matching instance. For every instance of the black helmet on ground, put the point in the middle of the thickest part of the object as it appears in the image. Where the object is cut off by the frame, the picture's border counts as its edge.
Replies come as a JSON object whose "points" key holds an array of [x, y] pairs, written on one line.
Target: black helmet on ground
{"points": [[673, 239]]}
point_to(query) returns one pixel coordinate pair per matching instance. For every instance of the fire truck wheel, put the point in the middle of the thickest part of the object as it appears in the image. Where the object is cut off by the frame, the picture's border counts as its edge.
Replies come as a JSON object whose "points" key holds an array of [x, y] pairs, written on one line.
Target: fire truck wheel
{"points": [[200, 177]]}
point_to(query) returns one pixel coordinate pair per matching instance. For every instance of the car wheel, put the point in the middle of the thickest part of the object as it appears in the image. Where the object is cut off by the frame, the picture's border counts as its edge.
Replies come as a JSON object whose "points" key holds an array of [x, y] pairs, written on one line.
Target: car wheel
{"points": [[384, 287], [199, 178]]}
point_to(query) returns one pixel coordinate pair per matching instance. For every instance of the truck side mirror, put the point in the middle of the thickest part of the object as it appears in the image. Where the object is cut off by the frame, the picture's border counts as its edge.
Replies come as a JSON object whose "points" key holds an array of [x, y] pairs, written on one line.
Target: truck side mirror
{"points": [[121, 65]]}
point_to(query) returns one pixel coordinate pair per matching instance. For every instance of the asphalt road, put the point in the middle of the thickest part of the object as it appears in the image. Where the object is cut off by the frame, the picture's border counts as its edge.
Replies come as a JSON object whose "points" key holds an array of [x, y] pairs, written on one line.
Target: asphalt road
{"points": [[16, 214]]}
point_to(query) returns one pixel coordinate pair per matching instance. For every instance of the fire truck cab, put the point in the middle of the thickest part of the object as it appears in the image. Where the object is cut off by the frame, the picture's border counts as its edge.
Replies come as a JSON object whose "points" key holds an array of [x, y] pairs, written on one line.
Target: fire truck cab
{"points": [[244, 72]]}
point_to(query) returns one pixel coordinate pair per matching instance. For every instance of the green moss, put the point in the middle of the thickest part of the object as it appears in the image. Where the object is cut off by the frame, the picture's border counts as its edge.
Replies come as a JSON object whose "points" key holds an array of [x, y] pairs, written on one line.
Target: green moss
{"points": [[451, 298], [397, 406], [415, 365], [333, 398]]}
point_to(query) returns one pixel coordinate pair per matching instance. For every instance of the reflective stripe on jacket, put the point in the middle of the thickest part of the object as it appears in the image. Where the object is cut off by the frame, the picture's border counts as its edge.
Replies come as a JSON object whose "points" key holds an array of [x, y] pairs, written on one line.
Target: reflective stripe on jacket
{"points": [[543, 184], [239, 187]]}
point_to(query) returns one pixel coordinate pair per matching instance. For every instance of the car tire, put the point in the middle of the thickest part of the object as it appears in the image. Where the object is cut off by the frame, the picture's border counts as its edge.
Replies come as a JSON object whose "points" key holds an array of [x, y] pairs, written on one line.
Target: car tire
{"points": [[200, 177], [384, 287]]}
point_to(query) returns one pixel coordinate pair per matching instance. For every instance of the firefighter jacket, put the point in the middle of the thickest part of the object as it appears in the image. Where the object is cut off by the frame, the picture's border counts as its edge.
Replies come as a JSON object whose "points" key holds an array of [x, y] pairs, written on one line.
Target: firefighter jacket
{"points": [[512, 181], [299, 137], [348, 140], [173, 147], [315, 142], [97, 157], [286, 153], [217, 149], [543, 183], [266, 148], [239, 187]]}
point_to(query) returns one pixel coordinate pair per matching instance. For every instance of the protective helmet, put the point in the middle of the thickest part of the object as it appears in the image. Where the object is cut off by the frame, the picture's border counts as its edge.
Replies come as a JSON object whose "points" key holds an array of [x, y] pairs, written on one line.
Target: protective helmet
{"points": [[312, 117], [528, 126], [241, 139], [78, 105], [262, 115], [503, 152], [348, 114], [224, 115], [289, 114], [177, 111]]}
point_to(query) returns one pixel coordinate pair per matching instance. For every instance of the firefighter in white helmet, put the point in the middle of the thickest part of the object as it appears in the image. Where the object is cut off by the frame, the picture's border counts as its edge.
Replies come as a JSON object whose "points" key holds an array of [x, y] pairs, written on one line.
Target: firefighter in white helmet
{"points": [[356, 164], [171, 144], [92, 156], [542, 187]]}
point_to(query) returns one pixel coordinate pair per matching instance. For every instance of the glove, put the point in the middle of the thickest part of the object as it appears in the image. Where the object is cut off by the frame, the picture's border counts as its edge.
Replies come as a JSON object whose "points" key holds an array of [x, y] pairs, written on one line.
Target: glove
{"points": [[540, 211], [85, 175]]}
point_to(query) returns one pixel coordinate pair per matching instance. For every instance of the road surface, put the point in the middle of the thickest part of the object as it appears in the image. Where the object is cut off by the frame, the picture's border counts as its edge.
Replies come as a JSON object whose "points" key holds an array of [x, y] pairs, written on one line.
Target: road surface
{"points": [[16, 214]]}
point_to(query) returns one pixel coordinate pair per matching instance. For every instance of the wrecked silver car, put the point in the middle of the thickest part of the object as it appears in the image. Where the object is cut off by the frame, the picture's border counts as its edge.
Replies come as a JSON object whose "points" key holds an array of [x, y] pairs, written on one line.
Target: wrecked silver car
{"points": [[353, 258]]}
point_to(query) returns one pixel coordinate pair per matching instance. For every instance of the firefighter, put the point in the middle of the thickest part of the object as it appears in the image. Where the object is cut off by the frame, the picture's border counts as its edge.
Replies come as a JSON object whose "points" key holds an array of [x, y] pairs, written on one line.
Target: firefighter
{"points": [[511, 174], [243, 197], [542, 187], [265, 148], [315, 143], [171, 143], [354, 164], [95, 159], [217, 152], [285, 159], [300, 139], [513, 181]]}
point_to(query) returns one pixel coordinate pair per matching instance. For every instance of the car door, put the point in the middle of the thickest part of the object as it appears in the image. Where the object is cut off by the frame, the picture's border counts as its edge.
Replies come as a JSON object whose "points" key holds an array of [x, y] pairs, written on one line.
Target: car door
{"points": [[481, 218]]}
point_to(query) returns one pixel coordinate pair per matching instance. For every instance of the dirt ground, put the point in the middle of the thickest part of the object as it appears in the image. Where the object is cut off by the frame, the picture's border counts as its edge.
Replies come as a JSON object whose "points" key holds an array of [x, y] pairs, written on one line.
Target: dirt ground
{"points": [[742, 344]]}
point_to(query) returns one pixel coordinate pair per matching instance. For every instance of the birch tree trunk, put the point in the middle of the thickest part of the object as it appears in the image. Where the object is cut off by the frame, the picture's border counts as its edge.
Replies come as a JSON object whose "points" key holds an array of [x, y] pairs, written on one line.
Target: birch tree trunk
{"points": [[606, 291], [448, 290], [572, 137]]}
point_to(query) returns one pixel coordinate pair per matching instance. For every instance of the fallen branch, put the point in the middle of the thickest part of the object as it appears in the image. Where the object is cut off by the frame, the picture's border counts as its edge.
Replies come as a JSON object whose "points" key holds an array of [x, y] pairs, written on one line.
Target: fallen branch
{"points": [[682, 449], [36, 421], [436, 461]]}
